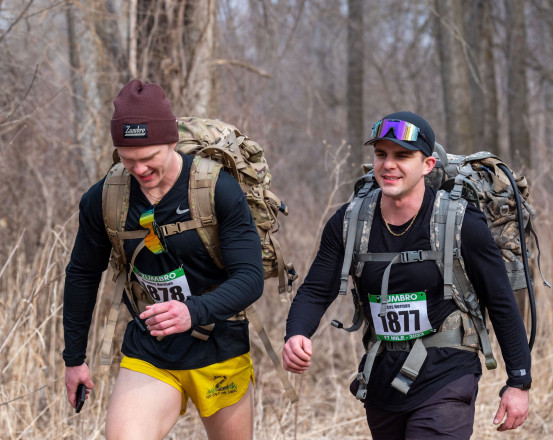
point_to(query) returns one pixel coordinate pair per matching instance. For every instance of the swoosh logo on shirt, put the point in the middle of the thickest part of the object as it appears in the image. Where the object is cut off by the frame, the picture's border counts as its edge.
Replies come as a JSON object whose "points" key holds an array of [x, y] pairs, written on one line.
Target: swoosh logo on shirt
{"points": [[182, 211]]}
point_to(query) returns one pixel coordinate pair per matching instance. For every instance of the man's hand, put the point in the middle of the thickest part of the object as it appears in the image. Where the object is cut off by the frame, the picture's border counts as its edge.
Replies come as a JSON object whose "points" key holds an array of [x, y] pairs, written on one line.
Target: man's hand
{"points": [[296, 354], [514, 403], [166, 318], [75, 376]]}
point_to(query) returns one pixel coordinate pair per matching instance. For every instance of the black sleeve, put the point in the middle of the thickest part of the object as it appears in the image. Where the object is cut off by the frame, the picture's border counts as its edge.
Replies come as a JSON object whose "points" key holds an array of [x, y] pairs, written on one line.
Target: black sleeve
{"points": [[486, 270], [241, 252], [89, 259], [322, 283]]}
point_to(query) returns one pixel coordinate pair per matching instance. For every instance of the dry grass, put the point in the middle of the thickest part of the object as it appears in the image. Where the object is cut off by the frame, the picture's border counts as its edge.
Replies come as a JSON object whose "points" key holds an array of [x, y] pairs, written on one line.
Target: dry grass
{"points": [[32, 394]]}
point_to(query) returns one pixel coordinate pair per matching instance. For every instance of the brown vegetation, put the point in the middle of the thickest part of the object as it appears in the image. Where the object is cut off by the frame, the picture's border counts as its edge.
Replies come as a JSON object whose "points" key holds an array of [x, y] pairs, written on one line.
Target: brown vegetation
{"points": [[279, 73]]}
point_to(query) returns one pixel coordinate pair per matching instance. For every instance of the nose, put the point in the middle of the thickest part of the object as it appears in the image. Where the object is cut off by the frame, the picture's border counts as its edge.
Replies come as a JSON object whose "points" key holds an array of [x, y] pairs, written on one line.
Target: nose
{"points": [[389, 162], [140, 168]]}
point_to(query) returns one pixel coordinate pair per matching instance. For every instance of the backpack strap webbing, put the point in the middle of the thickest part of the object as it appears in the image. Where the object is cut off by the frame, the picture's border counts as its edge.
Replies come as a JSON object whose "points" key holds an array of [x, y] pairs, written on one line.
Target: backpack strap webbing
{"points": [[456, 331], [252, 317], [395, 258], [112, 318]]}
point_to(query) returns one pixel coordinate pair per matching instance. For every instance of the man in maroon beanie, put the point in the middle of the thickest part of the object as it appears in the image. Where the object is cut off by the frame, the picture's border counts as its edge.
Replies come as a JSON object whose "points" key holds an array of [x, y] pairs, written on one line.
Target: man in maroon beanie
{"points": [[164, 362]]}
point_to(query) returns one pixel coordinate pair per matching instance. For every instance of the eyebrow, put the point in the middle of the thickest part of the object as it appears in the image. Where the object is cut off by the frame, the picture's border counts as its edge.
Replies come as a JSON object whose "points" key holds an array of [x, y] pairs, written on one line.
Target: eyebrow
{"points": [[140, 158], [402, 151]]}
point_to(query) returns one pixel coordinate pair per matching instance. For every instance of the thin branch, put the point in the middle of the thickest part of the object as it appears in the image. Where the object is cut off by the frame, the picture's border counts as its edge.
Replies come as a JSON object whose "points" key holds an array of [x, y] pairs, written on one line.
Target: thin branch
{"points": [[24, 97], [25, 9], [243, 65], [32, 392]]}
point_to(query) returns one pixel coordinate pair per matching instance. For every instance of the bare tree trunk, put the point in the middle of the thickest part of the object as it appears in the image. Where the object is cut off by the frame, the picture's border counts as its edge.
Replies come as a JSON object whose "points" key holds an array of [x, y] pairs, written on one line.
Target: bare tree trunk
{"points": [[454, 76], [111, 60], [355, 118], [517, 97], [82, 141], [177, 42], [133, 66], [479, 30]]}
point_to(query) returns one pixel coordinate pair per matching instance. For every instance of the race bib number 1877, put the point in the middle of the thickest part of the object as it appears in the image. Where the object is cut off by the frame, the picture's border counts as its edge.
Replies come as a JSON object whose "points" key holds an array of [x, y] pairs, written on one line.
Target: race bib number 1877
{"points": [[406, 317]]}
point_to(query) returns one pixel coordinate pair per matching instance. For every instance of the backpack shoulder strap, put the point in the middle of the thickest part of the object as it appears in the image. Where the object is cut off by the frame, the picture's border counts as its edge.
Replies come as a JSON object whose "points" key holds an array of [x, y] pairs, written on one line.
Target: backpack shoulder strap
{"points": [[115, 206], [351, 225], [201, 200], [445, 235], [356, 228]]}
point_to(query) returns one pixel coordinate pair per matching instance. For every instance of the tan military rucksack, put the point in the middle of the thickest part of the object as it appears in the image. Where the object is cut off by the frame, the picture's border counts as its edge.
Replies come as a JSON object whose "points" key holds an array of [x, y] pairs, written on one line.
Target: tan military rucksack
{"points": [[215, 145]]}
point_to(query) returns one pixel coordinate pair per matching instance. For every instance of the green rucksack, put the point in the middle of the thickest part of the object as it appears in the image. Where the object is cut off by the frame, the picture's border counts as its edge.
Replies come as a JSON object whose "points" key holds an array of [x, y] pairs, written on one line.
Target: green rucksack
{"points": [[215, 145], [481, 179]]}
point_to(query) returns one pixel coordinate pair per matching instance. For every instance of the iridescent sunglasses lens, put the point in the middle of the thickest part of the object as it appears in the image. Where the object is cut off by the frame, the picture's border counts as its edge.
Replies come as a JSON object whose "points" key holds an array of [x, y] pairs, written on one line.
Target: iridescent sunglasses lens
{"points": [[154, 241], [403, 131]]}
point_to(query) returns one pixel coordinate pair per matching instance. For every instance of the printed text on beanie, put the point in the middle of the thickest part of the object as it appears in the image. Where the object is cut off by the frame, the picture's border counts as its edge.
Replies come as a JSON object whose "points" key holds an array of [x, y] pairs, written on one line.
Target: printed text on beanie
{"points": [[142, 116]]}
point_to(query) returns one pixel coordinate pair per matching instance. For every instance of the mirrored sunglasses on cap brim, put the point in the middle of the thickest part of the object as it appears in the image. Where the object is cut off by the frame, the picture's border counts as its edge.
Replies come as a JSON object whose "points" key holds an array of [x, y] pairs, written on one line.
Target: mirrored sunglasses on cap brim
{"points": [[403, 130]]}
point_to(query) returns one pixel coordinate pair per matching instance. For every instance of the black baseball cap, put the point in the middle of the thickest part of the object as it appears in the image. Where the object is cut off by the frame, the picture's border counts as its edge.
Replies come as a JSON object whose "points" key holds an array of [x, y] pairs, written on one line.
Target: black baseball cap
{"points": [[401, 127]]}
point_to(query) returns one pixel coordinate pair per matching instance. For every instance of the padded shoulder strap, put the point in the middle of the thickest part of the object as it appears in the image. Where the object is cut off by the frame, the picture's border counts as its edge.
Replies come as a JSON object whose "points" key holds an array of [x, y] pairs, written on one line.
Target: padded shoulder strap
{"points": [[115, 197], [445, 235], [201, 199], [364, 225], [351, 230], [115, 206]]}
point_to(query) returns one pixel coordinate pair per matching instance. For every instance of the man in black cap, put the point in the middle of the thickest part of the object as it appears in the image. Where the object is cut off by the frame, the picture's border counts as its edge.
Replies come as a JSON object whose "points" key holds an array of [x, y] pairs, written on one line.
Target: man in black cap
{"points": [[440, 401]]}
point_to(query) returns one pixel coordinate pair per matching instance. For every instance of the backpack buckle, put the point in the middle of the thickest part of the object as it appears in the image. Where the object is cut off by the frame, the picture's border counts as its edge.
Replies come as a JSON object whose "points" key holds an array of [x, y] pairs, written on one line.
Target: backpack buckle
{"points": [[411, 256]]}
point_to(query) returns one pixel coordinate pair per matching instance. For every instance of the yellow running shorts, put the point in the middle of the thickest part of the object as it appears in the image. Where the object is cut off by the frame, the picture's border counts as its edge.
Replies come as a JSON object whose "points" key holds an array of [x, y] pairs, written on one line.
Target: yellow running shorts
{"points": [[210, 388]]}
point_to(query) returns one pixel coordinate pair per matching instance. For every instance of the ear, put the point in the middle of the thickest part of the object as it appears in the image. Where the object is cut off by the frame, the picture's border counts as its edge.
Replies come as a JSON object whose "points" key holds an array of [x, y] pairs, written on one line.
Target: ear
{"points": [[429, 163]]}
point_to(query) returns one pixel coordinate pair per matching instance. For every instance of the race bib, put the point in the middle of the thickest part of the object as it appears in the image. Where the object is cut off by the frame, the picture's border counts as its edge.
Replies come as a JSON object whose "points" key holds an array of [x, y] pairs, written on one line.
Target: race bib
{"points": [[406, 317], [172, 285]]}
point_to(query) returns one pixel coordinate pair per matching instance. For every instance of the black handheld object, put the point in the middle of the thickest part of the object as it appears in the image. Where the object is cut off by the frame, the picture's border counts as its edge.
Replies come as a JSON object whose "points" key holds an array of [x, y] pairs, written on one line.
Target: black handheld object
{"points": [[81, 394]]}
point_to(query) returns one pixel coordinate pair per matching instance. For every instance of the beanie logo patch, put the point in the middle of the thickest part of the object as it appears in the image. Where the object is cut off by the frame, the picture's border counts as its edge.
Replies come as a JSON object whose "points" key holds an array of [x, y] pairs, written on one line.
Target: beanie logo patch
{"points": [[135, 131]]}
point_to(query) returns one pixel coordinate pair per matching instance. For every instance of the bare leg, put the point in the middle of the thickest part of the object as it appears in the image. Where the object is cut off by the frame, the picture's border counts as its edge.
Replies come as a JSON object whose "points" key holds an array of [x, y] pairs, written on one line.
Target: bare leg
{"points": [[141, 407], [234, 422]]}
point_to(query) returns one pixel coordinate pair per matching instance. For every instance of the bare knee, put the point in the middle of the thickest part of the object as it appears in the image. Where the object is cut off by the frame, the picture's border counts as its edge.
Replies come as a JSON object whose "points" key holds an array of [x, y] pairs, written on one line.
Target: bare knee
{"points": [[134, 414]]}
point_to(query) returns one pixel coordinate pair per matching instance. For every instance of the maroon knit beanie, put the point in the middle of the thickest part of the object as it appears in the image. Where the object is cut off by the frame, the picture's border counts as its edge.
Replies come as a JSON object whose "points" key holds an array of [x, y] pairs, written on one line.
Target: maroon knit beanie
{"points": [[142, 117]]}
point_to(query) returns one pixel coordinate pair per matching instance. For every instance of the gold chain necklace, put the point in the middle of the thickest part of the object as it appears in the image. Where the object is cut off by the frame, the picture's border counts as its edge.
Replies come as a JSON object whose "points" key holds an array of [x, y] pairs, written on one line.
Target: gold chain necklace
{"points": [[158, 199], [388, 226]]}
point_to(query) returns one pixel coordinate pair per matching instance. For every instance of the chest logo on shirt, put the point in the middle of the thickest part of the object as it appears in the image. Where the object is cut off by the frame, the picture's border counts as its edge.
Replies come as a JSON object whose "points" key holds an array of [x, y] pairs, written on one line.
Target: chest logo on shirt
{"points": [[182, 211]]}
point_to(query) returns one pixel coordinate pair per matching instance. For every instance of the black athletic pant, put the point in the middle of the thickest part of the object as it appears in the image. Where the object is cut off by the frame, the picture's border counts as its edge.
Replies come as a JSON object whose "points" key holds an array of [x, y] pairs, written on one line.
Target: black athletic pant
{"points": [[448, 414]]}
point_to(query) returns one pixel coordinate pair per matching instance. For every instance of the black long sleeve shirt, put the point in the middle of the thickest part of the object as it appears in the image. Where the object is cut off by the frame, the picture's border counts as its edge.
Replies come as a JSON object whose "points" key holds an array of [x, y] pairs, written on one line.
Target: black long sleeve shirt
{"points": [[484, 267], [240, 283]]}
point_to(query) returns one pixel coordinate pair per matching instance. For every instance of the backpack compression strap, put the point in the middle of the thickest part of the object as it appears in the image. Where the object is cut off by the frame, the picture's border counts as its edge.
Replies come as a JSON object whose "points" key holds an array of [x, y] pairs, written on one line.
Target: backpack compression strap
{"points": [[452, 334], [451, 212], [252, 317]]}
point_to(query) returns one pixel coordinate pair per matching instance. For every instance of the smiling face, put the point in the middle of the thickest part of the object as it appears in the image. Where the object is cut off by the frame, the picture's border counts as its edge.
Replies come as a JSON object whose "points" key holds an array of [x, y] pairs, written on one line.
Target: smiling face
{"points": [[149, 165], [400, 172]]}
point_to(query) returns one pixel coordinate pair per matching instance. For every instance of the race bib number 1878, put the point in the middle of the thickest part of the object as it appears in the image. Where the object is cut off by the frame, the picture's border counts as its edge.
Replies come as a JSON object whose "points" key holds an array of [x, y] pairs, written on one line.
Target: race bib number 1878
{"points": [[406, 317], [172, 285]]}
